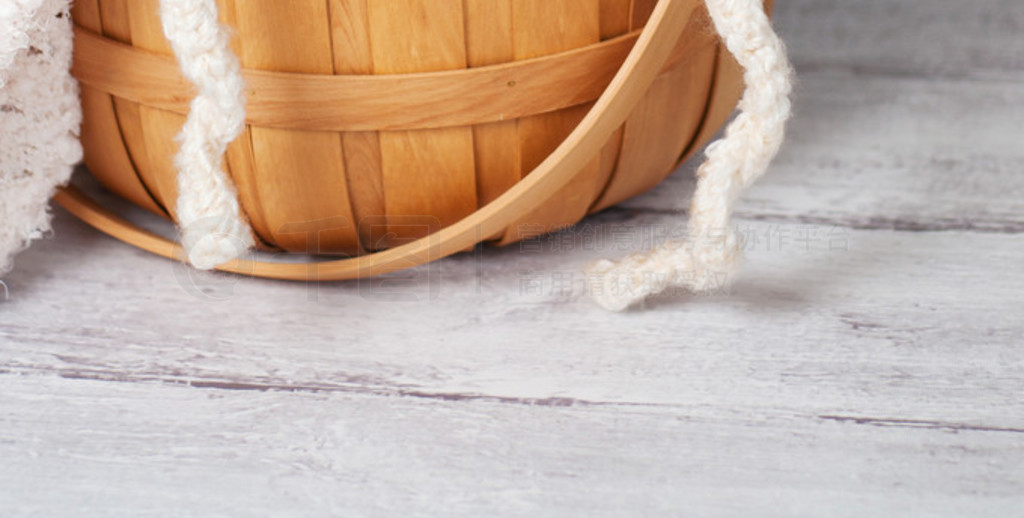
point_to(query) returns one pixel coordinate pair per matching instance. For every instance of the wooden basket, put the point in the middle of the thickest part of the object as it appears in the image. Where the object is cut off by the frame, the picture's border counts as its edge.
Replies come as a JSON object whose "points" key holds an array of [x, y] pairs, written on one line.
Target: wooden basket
{"points": [[374, 123]]}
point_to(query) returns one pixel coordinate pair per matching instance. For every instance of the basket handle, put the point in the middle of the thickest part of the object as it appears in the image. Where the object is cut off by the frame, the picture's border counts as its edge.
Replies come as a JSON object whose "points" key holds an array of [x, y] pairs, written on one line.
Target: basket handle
{"points": [[639, 70]]}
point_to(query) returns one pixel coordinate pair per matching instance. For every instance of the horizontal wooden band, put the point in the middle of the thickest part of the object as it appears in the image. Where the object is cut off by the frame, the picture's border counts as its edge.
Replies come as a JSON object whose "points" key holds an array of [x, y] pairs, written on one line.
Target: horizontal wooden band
{"points": [[376, 102]]}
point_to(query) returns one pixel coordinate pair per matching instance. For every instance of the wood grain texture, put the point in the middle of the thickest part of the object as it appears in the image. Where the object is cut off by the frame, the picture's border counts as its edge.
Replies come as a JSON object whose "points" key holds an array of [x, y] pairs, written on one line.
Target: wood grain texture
{"points": [[576, 24], [829, 375], [294, 165], [433, 38], [111, 159], [324, 454], [867, 363], [240, 161], [616, 18], [116, 23], [651, 143], [643, 166], [159, 128], [490, 40], [350, 37]]}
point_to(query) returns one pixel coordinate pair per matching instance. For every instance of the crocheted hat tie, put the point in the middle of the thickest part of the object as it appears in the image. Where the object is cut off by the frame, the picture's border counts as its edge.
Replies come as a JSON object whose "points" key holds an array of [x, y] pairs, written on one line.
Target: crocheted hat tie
{"points": [[214, 230], [707, 259]]}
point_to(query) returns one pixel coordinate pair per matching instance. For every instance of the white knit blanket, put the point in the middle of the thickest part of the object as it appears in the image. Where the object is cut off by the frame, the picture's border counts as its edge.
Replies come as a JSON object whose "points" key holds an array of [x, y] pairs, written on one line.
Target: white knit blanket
{"points": [[39, 117]]}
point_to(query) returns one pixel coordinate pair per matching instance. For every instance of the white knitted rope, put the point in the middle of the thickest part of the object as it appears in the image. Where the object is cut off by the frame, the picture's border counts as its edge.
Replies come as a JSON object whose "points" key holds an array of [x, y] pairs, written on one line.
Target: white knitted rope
{"points": [[708, 258], [212, 227], [213, 230]]}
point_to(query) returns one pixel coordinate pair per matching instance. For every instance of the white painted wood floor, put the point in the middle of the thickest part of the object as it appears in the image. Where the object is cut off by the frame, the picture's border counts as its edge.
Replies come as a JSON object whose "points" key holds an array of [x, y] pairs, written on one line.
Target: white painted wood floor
{"points": [[870, 362]]}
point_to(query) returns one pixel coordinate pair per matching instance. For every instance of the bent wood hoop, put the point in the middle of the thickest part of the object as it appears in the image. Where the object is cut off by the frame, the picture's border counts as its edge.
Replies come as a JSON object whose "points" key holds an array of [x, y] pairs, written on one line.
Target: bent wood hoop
{"points": [[654, 51]]}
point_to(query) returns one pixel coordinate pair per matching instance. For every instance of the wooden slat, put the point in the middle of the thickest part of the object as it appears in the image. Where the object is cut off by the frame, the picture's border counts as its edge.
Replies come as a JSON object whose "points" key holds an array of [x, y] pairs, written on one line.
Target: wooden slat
{"points": [[545, 27], [241, 162], [640, 11], [489, 41], [299, 175], [615, 17], [498, 159], [159, 127], [429, 175], [105, 151], [664, 123], [609, 163], [728, 87], [350, 37], [116, 25], [727, 81]]}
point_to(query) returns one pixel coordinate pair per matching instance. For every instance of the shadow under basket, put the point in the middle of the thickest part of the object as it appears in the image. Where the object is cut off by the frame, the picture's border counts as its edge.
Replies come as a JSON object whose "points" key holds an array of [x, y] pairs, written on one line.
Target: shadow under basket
{"points": [[395, 132]]}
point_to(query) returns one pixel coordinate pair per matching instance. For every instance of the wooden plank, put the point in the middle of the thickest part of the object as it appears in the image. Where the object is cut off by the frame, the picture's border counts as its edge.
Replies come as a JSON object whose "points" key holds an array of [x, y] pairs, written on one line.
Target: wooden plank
{"points": [[114, 15], [609, 164], [652, 142], [861, 362], [366, 186], [350, 36], [864, 328], [615, 17], [429, 175], [920, 173], [299, 175], [489, 40], [566, 25], [159, 128], [239, 157], [640, 11], [75, 446], [727, 88], [106, 153]]}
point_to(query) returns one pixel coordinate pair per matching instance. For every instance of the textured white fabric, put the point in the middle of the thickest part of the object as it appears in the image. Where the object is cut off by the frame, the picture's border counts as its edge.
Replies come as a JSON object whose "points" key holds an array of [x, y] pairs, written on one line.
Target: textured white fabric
{"points": [[213, 230], [707, 260], [39, 117]]}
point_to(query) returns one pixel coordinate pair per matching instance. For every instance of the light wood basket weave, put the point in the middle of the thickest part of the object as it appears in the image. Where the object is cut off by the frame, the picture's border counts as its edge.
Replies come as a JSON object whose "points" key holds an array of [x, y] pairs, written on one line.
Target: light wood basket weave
{"points": [[375, 123]]}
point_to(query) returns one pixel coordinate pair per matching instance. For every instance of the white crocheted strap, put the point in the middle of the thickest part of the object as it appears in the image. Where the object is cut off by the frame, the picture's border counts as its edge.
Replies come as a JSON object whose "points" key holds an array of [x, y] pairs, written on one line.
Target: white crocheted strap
{"points": [[709, 257], [213, 230]]}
